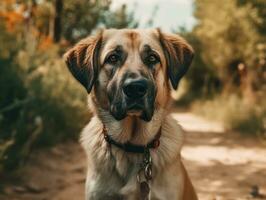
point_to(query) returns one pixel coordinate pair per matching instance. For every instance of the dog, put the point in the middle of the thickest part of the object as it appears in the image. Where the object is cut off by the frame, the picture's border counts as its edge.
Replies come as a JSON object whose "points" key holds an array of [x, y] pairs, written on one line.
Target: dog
{"points": [[132, 142]]}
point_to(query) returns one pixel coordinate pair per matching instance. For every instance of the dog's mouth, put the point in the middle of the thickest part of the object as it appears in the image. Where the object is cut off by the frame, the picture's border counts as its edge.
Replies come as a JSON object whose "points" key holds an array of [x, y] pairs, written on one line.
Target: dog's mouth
{"points": [[135, 104], [142, 109], [135, 109]]}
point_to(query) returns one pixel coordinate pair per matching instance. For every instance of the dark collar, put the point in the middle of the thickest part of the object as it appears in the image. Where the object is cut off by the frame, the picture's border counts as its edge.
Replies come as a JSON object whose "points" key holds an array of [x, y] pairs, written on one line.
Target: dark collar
{"points": [[133, 148]]}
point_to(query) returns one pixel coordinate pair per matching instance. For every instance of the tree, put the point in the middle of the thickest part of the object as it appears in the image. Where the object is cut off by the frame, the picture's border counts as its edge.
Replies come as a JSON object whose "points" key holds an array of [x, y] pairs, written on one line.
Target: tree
{"points": [[81, 17], [119, 18], [58, 20], [260, 6], [228, 33]]}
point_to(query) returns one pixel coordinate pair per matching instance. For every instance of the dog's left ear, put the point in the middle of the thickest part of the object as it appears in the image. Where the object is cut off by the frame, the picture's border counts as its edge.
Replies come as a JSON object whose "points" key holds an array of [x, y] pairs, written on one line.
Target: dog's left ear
{"points": [[83, 60], [179, 55]]}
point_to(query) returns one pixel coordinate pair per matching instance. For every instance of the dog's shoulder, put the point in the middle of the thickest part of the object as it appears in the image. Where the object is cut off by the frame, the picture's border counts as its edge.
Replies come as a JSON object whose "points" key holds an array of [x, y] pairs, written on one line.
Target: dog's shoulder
{"points": [[171, 141], [91, 136], [173, 131]]}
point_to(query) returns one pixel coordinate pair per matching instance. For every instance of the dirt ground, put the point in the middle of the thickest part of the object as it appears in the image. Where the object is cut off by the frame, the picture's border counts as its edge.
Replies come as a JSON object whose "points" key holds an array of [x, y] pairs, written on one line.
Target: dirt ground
{"points": [[222, 166]]}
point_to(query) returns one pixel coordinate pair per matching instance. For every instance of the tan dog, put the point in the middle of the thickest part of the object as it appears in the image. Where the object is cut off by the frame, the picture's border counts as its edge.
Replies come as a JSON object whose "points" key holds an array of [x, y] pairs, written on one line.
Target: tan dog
{"points": [[132, 143]]}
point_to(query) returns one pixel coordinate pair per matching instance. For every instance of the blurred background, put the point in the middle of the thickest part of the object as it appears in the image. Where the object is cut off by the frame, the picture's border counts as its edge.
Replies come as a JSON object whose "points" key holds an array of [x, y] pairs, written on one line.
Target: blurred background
{"points": [[43, 109]]}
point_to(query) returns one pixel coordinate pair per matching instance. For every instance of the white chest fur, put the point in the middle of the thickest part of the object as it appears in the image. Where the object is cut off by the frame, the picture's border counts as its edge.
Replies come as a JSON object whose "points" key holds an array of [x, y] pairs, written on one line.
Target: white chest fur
{"points": [[112, 172]]}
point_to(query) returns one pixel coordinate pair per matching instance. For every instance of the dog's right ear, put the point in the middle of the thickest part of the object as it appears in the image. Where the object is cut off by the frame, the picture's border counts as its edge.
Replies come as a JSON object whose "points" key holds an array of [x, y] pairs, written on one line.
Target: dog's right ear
{"points": [[83, 60]]}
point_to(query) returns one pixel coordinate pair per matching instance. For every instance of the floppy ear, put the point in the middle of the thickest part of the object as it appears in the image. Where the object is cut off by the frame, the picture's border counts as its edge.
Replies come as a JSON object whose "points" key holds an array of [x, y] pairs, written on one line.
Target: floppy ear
{"points": [[83, 61], [178, 54]]}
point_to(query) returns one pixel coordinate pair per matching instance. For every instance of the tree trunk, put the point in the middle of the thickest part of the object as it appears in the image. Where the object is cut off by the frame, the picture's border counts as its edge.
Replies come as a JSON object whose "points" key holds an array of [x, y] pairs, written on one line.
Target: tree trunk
{"points": [[58, 20]]}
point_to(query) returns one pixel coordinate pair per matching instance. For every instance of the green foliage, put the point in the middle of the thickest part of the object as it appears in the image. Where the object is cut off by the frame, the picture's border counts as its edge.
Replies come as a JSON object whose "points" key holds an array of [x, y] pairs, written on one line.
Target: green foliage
{"points": [[119, 18], [227, 33], [259, 5], [39, 103], [80, 17], [229, 68], [91, 14]]}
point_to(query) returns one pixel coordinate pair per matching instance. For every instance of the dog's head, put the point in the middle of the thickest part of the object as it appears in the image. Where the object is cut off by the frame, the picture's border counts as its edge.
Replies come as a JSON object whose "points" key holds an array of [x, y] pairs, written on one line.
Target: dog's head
{"points": [[131, 71]]}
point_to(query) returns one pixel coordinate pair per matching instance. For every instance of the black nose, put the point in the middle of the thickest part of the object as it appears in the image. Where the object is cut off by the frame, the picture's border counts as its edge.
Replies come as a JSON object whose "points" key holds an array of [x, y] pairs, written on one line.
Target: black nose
{"points": [[135, 88]]}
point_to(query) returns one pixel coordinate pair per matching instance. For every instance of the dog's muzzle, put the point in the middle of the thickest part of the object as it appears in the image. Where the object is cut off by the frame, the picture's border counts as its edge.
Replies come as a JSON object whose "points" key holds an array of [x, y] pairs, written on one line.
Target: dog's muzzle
{"points": [[136, 98]]}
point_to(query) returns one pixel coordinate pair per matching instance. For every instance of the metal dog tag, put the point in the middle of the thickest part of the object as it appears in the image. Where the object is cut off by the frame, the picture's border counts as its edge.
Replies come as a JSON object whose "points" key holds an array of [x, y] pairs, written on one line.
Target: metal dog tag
{"points": [[145, 173], [144, 190]]}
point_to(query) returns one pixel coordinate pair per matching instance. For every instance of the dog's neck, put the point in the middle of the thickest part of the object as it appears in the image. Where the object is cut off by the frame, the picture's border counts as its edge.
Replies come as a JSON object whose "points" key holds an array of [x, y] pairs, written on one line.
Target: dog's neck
{"points": [[132, 129], [135, 131]]}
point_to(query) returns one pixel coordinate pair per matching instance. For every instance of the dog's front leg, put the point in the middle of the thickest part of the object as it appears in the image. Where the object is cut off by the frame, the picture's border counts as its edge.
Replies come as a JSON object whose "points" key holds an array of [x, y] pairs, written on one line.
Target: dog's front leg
{"points": [[169, 183], [189, 191], [102, 187]]}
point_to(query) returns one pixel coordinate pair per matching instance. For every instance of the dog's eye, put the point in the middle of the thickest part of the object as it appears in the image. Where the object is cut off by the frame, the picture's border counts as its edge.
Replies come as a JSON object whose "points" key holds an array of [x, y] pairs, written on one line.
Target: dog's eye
{"points": [[112, 59], [152, 59]]}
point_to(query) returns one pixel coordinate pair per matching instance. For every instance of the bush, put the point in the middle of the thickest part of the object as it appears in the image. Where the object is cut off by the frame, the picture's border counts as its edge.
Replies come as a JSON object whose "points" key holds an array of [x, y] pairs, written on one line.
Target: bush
{"points": [[41, 103], [235, 113]]}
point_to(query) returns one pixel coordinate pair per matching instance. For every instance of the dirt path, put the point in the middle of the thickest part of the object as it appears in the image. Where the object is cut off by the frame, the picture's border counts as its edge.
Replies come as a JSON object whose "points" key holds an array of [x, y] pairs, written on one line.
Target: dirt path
{"points": [[223, 166]]}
